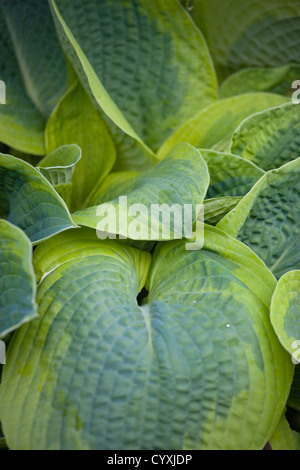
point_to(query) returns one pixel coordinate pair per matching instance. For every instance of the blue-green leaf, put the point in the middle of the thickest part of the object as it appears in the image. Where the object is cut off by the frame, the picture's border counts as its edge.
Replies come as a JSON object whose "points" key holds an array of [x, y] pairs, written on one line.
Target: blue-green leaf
{"points": [[267, 218], [270, 138], [195, 367], [28, 200]]}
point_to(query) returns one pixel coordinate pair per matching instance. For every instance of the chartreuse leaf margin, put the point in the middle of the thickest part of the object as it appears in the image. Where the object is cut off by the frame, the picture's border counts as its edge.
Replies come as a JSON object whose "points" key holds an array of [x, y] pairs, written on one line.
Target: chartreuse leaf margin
{"points": [[102, 372], [170, 57], [215, 124], [155, 187]]}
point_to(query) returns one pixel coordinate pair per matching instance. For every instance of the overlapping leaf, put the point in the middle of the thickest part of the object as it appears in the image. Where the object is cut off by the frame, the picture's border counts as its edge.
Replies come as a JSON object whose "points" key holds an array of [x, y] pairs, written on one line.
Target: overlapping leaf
{"points": [[17, 279], [230, 175], [122, 182], [28, 200], [267, 219], [103, 373], [146, 65], [217, 122], [270, 138], [178, 182]]}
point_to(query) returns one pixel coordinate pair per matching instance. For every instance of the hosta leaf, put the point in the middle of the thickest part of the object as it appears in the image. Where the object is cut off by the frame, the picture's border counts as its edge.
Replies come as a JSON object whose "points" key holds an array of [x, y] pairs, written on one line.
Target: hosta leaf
{"points": [[218, 121], [230, 175], [76, 121], [26, 157], [177, 183], [34, 70], [255, 33], [129, 145], [273, 80], [120, 183], [285, 312], [17, 279], [96, 371], [80, 243], [270, 138], [114, 185], [284, 438], [211, 281], [111, 277], [267, 219], [28, 200], [166, 70]]}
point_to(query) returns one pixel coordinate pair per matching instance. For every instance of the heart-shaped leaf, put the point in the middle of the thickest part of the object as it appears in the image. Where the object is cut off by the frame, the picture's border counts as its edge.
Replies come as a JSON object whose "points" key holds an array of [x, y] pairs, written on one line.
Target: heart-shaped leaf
{"points": [[198, 366]]}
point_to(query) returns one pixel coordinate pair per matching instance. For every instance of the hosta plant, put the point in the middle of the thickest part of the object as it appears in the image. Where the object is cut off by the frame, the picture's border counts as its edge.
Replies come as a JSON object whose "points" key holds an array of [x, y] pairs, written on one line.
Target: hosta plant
{"points": [[149, 225]]}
